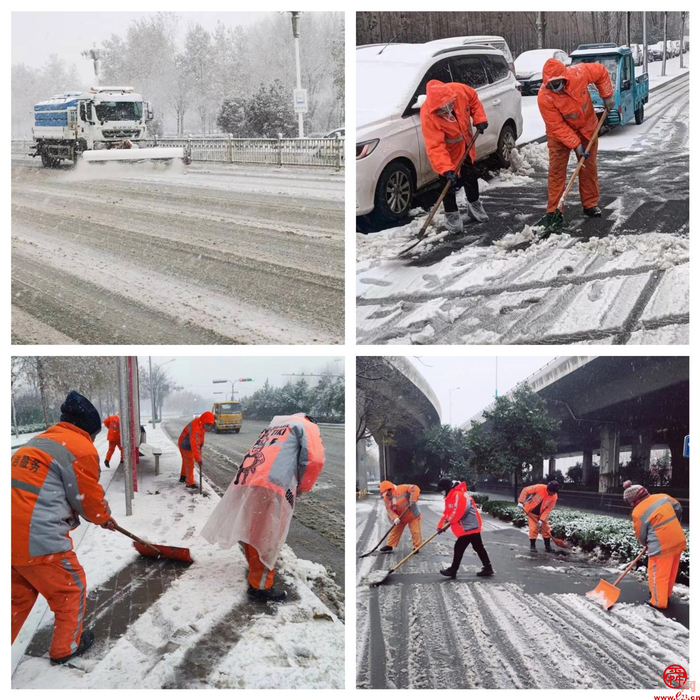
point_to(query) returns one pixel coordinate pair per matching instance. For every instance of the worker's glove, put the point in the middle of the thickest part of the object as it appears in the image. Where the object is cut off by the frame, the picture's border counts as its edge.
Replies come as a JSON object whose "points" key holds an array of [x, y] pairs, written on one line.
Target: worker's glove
{"points": [[397, 521], [482, 127], [580, 153], [443, 528], [539, 522], [520, 505], [109, 524], [609, 103], [451, 177]]}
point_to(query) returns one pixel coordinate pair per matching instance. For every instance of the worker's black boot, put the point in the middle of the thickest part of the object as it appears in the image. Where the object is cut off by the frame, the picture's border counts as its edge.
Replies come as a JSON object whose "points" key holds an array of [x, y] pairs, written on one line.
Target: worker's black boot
{"points": [[269, 595], [192, 486], [107, 464], [449, 572], [547, 545], [183, 479], [486, 571], [386, 548], [86, 640], [593, 212], [533, 548]]}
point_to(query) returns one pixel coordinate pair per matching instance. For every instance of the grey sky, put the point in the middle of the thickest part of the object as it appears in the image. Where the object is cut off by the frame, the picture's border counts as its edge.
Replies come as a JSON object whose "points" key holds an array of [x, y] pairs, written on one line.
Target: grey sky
{"points": [[476, 377], [37, 35], [195, 374]]}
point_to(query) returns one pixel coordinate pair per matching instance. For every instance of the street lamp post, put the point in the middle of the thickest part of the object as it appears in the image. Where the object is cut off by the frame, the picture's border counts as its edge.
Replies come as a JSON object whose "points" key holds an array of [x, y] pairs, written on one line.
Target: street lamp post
{"points": [[233, 383], [295, 31]]}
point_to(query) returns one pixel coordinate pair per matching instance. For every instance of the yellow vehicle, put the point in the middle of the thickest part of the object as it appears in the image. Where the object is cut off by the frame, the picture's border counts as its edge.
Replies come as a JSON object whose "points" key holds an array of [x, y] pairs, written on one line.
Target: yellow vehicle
{"points": [[227, 416]]}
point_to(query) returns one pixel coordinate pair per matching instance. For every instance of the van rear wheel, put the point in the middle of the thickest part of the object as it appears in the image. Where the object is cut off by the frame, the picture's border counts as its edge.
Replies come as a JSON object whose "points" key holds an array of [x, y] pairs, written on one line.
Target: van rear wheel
{"points": [[506, 143], [639, 115]]}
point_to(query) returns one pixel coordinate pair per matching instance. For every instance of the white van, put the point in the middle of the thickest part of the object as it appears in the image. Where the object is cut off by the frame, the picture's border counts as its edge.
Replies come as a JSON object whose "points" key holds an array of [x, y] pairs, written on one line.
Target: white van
{"points": [[391, 162]]}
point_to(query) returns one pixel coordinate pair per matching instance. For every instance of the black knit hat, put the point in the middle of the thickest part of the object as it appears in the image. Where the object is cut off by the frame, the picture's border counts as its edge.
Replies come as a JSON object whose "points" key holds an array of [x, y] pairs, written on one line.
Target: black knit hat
{"points": [[76, 409], [446, 484], [553, 486]]}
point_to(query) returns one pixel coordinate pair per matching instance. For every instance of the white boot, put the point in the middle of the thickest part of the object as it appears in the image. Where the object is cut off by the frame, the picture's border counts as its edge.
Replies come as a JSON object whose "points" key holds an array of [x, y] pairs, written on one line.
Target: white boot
{"points": [[476, 211], [453, 220]]}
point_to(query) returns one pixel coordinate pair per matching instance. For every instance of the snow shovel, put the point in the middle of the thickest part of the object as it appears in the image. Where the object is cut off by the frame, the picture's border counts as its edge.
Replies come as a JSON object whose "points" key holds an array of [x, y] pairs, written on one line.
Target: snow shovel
{"points": [[374, 549], [445, 190], [554, 221], [608, 593], [378, 582], [158, 551]]}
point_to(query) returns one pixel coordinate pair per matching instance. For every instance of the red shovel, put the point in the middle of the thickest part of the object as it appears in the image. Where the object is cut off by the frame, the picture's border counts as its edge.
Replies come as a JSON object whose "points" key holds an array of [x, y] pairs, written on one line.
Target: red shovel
{"points": [[157, 551]]}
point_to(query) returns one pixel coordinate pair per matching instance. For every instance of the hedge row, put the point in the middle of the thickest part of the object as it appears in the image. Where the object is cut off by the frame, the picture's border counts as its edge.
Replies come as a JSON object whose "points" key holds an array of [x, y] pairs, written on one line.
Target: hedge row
{"points": [[611, 537]]}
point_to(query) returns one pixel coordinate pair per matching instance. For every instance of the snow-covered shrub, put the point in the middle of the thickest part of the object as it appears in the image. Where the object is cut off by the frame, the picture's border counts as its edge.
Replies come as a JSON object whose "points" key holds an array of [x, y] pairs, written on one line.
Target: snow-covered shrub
{"points": [[480, 498]]}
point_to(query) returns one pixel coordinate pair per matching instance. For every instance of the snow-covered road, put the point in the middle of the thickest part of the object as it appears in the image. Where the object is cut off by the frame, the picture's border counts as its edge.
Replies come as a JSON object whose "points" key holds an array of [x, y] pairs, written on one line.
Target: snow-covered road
{"points": [[208, 255], [529, 626], [622, 279]]}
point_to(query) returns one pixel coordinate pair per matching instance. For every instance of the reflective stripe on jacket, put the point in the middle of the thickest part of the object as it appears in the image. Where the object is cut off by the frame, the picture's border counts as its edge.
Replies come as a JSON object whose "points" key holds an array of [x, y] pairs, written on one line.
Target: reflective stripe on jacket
{"points": [[461, 512], [571, 108], [657, 525], [444, 134], [113, 429], [55, 479], [533, 496], [398, 500]]}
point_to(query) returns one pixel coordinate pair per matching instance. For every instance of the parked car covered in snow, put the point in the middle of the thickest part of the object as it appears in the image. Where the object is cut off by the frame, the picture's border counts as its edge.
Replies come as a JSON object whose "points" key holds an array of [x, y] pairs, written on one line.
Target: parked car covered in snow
{"points": [[528, 67], [391, 162], [654, 52], [631, 93]]}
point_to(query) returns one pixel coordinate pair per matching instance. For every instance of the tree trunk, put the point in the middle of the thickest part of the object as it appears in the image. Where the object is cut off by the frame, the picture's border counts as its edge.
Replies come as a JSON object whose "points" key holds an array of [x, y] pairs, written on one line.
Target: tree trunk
{"points": [[515, 485], [629, 28], [541, 23], [663, 63], [682, 40], [42, 390]]}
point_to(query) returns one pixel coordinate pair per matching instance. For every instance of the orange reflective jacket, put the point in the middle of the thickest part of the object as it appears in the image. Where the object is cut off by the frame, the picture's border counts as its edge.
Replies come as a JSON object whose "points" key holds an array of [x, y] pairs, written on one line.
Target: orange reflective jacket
{"points": [[112, 425], [55, 479], [536, 495], [461, 512], [657, 525], [192, 438], [399, 498], [445, 134], [571, 108]]}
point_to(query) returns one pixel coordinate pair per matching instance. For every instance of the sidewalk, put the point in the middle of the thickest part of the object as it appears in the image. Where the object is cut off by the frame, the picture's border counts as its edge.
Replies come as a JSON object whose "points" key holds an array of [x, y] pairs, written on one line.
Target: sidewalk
{"points": [[162, 624]]}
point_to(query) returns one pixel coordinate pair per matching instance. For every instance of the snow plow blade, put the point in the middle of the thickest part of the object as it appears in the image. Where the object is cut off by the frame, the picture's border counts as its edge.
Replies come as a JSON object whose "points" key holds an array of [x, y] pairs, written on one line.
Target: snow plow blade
{"points": [[157, 551], [606, 593], [134, 155]]}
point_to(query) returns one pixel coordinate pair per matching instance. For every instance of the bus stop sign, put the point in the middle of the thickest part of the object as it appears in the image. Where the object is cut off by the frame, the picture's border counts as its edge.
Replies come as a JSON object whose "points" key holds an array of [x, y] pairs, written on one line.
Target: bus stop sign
{"points": [[300, 101]]}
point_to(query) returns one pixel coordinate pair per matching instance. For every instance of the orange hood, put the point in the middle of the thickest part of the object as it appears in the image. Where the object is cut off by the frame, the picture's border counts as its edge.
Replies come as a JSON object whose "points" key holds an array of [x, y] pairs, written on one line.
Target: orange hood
{"points": [[553, 70], [438, 94], [387, 485]]}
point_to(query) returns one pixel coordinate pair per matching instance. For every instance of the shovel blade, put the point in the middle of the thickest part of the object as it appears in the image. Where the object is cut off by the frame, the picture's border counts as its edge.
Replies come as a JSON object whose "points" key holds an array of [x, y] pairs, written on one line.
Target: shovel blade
{"points": [[560, 543], [166, 552], [605, 593]]}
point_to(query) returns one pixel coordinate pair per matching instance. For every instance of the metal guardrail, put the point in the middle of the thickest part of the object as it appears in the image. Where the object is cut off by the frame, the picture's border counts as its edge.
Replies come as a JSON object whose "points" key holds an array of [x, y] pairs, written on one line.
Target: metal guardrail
{"points": [[323, 153]]}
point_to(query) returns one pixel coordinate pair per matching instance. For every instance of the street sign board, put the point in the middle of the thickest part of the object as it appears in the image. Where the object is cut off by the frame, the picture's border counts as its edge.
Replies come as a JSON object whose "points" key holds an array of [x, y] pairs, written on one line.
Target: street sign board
{"points": [[301, 101]]}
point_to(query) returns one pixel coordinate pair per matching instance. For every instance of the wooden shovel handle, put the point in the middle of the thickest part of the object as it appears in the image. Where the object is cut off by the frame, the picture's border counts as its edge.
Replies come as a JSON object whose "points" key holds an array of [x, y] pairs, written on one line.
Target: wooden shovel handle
{"points": [[420, 546], [138, 539], [447, 186], [631, 565], [580, 163]]}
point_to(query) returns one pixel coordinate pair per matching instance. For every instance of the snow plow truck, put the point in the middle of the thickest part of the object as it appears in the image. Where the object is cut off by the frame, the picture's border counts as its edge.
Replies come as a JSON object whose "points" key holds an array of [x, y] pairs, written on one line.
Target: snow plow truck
{"points": [[101, 125]]}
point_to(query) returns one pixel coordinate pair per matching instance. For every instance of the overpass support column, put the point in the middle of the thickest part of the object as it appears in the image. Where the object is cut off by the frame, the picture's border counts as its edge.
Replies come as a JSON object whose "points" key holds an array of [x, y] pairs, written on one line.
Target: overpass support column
{"points": [[680, 472], [361, 466], [609, 458], [641, 449], [551, 466], [587, 466]]}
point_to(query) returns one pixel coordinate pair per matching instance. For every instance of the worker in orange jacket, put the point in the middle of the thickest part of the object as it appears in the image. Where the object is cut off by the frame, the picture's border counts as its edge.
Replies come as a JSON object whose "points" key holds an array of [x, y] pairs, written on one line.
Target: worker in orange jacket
{"points": [[570, 120], [657, 525], [258, 505], [190, 445], [445, 119], [114, 438], [55, 480], [462, 515], [402, 508], [538, 501]]}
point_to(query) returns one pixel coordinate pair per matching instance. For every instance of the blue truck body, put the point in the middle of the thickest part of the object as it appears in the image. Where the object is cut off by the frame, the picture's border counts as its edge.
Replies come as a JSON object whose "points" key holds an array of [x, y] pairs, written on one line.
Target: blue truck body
{"points": [[631, 92]]}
